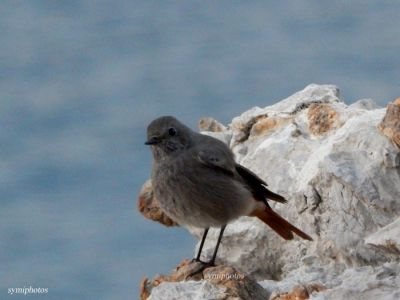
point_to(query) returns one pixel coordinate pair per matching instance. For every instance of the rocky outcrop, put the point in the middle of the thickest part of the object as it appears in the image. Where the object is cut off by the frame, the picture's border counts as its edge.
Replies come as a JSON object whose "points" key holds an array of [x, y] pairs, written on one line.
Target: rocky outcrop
{"points": [[299, 292], [390, 125], [219, 282], [337, 282], [322, 118], [210, 124], [339, 167]]}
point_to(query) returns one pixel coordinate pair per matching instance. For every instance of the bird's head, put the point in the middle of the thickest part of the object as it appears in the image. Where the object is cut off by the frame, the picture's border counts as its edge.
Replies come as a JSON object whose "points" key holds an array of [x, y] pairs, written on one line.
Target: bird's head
{"points": [[168, 137]]}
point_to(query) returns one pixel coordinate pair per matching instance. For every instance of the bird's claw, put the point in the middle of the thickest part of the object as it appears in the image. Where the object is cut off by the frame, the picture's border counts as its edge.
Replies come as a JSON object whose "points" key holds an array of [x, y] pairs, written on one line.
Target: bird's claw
{"points": [[204, 265]]}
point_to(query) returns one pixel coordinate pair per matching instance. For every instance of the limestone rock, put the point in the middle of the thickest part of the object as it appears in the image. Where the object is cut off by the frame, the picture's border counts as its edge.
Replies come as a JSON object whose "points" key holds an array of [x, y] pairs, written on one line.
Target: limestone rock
{"points": [[332, 282], [339, 186], [341, 177], [210, 124], [364, 104], [322, 118], [264, 125], [180, 273], [237, 284], [148, 206], [300, 292], [365, 283], [241, 126], [245, 246], [390, 125], [188, 290], [219, 282], [387, 237]]}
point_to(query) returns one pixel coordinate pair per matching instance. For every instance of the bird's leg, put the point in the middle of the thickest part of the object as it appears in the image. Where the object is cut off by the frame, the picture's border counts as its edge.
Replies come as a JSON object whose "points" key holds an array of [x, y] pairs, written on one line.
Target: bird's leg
{"points": [[212, 261], [221, 233], [201, 245]]}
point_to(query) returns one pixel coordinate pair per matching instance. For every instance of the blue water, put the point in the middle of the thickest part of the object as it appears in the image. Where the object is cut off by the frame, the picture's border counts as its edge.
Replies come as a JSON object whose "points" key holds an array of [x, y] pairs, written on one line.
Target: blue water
{"points": [[79, 82]]}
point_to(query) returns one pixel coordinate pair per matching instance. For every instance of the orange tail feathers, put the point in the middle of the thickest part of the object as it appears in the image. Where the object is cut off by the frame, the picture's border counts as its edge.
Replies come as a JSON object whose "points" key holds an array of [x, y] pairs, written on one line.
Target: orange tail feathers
{"points": [[279, 224]]}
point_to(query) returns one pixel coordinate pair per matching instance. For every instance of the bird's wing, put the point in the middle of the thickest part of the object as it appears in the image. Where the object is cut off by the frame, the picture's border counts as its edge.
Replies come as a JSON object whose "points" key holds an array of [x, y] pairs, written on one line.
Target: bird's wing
{"points": [[257, 185], [217, 159], [220, 159]]}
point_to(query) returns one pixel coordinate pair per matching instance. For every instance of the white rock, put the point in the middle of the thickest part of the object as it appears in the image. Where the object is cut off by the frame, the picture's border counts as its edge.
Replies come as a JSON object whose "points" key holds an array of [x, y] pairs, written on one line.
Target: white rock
{"points": [[338, 187], [367, 104], [313, 93], [363, 283], [245, 246], [187, 290], [324, 275], [388, 236], [382, 282], [343, 188]]}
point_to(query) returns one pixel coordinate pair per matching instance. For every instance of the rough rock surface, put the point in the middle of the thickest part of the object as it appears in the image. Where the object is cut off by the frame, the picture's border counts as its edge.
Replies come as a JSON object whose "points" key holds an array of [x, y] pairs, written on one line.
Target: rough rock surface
{"points": [[340, 170], [210, 124], [219, 282], [390, 125], [387, 237], [322, 118], [299, 292], [337, 281]]}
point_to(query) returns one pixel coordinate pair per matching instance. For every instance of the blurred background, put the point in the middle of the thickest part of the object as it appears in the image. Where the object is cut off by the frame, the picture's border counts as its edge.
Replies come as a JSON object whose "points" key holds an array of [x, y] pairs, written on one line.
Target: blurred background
{"points": [[80, 81]]}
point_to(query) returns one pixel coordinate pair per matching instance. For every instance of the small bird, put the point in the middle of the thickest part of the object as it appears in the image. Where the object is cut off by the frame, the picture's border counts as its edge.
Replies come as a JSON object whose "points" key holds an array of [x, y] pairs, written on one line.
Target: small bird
{"points": [[198, 183]]}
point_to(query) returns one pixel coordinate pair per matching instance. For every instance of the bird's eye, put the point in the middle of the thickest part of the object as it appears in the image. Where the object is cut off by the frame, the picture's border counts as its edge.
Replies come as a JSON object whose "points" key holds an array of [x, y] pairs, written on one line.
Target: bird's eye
{"points": [[172, 131]]}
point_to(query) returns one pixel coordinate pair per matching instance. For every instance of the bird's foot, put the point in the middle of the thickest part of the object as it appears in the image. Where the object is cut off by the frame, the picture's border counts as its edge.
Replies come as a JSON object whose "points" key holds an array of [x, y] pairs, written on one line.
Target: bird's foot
{"points": [[201, 268]]}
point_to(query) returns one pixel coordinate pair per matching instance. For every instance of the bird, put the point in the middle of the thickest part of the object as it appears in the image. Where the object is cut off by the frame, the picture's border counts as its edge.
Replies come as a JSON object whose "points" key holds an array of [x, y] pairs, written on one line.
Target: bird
{"points": [[198, 183]]}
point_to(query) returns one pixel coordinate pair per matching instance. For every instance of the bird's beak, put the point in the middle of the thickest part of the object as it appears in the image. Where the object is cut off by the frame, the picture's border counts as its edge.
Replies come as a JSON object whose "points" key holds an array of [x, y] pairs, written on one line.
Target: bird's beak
{"points": [[152, 141]]}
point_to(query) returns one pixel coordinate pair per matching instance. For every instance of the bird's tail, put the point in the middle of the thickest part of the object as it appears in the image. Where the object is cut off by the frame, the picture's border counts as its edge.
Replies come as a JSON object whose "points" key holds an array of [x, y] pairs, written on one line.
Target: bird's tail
{"points": [[279, 224]]}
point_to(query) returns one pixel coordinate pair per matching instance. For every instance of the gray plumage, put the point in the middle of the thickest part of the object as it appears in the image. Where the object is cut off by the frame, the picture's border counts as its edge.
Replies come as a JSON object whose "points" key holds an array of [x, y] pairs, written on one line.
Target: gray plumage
{"points": [[197, 182], [194, 176]]}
